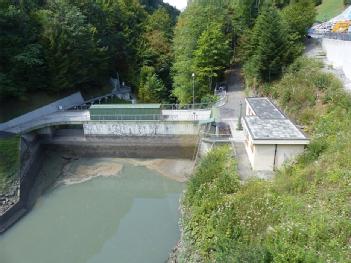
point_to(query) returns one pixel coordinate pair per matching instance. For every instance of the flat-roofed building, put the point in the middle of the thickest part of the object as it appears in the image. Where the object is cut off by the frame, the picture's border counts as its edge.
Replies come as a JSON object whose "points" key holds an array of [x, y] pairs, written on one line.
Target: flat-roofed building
{"points": [[271, 138]]}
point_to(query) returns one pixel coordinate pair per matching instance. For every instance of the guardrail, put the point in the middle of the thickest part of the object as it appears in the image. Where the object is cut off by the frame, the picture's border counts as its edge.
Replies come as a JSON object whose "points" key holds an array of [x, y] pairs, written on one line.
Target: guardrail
{"points": [[331, 35], [216, 137], [111, 117], [196, 106], [142, 117]]}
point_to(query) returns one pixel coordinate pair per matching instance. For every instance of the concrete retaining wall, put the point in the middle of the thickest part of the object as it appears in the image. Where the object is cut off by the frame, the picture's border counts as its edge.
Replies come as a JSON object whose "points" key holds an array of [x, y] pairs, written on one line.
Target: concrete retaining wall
{"points": [[141, 128], [339, 54]]}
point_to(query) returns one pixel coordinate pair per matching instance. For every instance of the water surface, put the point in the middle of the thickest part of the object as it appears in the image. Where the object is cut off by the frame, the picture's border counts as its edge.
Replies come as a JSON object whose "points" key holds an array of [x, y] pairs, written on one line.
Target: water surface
{"points": [[131, 217]]}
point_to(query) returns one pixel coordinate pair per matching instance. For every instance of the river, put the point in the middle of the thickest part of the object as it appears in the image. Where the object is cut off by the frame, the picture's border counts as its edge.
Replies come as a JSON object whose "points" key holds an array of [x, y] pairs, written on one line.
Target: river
{"points": [[100, 210]]}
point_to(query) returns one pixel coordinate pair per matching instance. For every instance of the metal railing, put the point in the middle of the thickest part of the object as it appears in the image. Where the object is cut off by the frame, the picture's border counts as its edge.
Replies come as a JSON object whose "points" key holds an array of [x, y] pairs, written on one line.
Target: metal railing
{"points": [[331, 35], [196, 106], [216, 137], [118, 117]]}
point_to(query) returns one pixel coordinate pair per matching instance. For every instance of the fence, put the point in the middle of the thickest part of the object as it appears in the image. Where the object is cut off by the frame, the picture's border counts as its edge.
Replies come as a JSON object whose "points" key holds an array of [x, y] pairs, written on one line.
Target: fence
{"points": [[143, 117]]}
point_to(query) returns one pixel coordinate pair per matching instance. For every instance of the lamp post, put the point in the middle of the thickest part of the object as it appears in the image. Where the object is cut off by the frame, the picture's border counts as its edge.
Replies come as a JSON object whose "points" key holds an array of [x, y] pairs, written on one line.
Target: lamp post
{"points": [[193, 75], [240, 127]]}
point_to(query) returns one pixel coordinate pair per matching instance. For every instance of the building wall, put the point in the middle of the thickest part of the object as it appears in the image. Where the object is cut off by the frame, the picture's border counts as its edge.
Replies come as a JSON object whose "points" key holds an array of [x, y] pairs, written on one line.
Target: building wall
{"points": [[262, 155], [140, 128], [263, 159], [287, 152], [339, 54]]}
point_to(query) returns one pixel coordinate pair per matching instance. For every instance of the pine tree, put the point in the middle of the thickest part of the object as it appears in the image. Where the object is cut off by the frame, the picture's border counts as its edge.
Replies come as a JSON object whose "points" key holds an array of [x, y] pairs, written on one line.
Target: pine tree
{"points": [[151, 88], [267, 49], [211, 57]]}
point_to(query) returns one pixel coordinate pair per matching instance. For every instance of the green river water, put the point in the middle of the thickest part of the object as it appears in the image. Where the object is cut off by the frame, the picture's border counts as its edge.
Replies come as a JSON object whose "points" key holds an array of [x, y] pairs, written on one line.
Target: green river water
{"points": [[130, 217]]}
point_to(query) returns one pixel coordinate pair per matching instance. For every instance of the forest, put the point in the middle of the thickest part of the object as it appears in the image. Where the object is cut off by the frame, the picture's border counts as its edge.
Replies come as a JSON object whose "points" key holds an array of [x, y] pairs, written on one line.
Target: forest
{"points": [[55, 46], [60, 46]]}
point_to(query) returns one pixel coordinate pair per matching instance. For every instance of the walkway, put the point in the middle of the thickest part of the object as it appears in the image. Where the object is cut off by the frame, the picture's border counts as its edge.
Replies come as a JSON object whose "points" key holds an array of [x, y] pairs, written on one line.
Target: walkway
{"points": [[230, 114], [57, 118]]}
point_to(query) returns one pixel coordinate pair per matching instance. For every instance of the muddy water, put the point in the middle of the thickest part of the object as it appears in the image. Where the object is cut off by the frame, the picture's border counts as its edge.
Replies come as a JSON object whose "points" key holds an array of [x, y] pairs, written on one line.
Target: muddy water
{"points": [[100, 210]]}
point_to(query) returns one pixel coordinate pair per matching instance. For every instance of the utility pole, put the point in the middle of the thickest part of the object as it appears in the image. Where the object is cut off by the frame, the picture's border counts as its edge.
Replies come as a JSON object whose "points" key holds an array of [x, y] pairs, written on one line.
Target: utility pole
{"points": [[193, 75]]}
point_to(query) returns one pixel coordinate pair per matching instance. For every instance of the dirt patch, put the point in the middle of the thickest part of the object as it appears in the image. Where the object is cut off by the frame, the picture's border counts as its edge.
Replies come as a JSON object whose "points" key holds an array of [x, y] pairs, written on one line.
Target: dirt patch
{"points": [[85, 169]]}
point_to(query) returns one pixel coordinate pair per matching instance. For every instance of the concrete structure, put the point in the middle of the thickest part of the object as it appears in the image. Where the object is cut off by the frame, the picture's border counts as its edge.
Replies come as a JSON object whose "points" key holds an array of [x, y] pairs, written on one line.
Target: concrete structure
{"points": [[338, 53], [271, 139], [140, 128], [41, 113], [166, 122]]}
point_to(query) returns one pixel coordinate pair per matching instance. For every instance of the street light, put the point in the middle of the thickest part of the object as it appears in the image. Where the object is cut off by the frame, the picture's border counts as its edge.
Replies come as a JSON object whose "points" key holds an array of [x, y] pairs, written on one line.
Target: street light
{"points": [[193, 75]]}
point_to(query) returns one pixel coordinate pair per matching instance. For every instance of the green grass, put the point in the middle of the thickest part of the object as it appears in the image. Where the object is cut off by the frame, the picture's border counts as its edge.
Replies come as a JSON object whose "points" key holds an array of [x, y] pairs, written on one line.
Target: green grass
{"points": [[329, 9], [9, 161]]}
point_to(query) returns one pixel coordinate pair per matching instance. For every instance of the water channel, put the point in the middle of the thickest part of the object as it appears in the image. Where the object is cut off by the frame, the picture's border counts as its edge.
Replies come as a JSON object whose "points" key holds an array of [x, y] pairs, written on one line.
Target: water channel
{"points": [[100, 210]]}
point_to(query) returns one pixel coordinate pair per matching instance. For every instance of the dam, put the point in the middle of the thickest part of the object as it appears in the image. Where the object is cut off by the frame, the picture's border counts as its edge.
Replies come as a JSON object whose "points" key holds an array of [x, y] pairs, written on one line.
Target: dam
{"points": [[114, 175]]}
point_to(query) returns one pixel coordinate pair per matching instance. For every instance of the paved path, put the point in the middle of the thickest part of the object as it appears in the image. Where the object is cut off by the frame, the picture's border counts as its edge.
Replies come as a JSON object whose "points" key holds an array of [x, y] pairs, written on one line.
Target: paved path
{"points": [[230, 114], [57, 118]]}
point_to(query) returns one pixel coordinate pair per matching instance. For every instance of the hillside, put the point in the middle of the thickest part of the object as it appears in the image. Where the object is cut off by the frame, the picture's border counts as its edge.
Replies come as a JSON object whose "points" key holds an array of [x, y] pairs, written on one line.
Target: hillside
{"points": [[303, 215], [329, 9]]}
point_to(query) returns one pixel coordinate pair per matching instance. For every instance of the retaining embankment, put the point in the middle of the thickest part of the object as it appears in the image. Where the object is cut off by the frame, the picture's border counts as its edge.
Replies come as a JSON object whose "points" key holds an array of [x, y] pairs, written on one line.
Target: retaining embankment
{"points": [[31, 160]]}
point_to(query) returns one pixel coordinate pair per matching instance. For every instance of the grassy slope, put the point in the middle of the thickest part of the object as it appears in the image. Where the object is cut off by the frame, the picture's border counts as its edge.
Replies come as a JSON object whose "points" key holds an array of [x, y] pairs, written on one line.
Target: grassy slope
{"points": [[301, 216], [9, 160], [329, 9]]}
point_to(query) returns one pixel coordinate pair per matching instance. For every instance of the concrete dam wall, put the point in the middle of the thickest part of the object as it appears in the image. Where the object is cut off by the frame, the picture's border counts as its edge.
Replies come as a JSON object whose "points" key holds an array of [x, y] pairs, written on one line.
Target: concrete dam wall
{"points": [[338, 53], [141, 128]]}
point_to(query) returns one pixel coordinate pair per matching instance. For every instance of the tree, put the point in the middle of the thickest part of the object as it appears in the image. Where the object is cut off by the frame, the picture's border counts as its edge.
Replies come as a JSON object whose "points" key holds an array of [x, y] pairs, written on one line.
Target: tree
{"points": [[299, 17], [74, 56], [151, 88], [156, 50], [211, 57], [268, 49], [191, 24], [21, 57]]}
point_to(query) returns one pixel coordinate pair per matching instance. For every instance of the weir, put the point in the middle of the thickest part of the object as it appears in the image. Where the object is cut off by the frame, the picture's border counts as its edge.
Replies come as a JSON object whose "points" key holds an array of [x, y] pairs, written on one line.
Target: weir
{"points": [[146, 131]]}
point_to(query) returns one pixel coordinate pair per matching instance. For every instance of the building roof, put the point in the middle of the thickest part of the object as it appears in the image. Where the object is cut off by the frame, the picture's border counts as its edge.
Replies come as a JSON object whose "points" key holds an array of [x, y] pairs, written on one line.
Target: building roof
{"points": [[126, 106], [273, 129], [269, 123], [264, 108]]}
